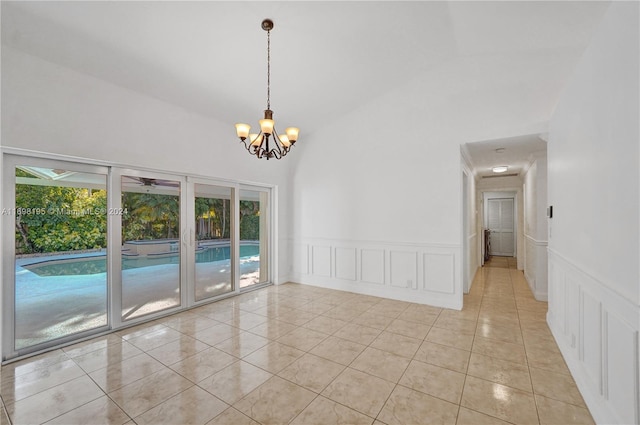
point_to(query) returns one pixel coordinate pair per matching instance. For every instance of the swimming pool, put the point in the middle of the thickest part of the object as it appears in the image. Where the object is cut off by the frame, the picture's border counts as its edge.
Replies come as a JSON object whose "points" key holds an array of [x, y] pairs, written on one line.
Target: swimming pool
{"points": [[98, 264]]}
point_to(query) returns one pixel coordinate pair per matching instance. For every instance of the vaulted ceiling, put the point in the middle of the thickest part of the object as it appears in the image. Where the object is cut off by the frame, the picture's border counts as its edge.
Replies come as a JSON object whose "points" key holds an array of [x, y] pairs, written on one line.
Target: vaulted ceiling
{"points": [[327, 57]]}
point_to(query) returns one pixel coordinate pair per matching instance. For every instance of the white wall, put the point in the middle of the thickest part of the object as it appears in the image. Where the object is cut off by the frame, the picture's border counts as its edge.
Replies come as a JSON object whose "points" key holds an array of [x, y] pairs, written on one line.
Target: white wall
{"points": [[535, 227], [593, 162], [52, 109], [377, 194]]}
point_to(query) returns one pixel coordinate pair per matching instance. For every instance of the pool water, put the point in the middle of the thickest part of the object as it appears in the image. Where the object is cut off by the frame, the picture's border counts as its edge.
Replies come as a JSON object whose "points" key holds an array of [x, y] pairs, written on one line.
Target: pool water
{"points": [[95, 265]]}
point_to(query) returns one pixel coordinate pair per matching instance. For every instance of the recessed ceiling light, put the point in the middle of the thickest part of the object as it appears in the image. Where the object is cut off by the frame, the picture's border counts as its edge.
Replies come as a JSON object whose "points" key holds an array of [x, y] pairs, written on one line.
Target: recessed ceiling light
{"points": [[500, 169]]}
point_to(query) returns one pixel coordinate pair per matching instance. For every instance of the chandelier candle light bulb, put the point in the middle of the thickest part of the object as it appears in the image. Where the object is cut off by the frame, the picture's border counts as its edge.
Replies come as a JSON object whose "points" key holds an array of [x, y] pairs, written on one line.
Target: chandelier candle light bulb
{"points": [[259, 143]]}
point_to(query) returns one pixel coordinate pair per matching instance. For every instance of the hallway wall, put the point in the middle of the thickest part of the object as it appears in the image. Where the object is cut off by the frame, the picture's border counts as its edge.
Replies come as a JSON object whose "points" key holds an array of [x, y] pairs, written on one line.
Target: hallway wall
{"points": [[535, 227], [377, 197], [594, 187]]}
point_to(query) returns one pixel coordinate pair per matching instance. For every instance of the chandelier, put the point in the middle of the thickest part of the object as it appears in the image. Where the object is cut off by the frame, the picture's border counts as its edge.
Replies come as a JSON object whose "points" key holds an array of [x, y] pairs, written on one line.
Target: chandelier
{"points": [[267, 144]]}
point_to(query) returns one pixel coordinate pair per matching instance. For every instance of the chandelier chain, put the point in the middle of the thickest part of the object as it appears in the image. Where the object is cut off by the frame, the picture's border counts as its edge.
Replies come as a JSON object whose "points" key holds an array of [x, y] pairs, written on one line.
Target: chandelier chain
{"points": [[268, 69]]}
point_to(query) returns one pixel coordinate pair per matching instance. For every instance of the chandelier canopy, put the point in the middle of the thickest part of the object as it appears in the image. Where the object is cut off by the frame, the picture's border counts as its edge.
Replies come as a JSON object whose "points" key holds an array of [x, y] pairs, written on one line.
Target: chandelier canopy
{"points": [[267, 144]]}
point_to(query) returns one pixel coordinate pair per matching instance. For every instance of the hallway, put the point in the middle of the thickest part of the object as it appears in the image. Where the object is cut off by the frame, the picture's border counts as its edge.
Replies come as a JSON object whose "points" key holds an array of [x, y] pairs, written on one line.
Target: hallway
{"points": [[306, 355]]}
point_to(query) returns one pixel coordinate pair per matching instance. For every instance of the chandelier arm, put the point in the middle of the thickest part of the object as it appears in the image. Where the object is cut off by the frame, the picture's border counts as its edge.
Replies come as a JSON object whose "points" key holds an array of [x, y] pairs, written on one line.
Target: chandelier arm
{"points": [[275, 154], [243, 140], [276, 140]]}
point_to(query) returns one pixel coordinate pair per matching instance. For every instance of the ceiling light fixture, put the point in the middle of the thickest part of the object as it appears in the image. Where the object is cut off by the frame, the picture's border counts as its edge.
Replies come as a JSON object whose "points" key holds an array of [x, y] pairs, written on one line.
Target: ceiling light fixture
{"points": [[259, 144], [500, 169]]}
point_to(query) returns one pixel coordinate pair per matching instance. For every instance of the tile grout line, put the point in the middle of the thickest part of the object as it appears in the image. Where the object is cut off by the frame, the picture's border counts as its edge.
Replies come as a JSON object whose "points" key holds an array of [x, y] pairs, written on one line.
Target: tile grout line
{"points": [[350, 321], [464, 382], [5, 412], [318, 394], [524, 345], [466, 374]]}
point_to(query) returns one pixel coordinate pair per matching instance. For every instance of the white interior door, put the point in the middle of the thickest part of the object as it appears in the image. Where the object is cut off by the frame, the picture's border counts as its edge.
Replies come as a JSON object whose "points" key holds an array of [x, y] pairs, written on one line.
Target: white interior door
{"points": [[501, 224]]}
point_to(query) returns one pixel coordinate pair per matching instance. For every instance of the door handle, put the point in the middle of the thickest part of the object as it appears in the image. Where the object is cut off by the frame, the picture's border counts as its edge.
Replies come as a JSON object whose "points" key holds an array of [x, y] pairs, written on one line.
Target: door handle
{"points": [[188, 237]]}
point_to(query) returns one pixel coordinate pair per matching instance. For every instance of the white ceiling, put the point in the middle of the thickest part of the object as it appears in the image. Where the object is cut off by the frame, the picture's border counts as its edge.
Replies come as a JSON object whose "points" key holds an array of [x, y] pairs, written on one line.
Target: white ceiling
{"points": [[516, 153], [328, 58]]}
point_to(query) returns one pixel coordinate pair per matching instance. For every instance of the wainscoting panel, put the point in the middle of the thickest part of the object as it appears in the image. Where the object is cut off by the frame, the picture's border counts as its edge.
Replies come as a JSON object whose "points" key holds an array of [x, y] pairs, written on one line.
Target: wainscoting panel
{"points": [[621, 368], [321, 260], [572, 310], [591, 338], [372, 266], [345, 260], [404, 272], [535, 268], [597, 332], [300, 258], [422, 273], [439, 272], [530, 262], [556, 311]]}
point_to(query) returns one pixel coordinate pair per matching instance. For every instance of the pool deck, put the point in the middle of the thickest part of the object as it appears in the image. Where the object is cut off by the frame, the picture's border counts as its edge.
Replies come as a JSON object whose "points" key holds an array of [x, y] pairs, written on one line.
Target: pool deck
{"points": [[48, 307]]}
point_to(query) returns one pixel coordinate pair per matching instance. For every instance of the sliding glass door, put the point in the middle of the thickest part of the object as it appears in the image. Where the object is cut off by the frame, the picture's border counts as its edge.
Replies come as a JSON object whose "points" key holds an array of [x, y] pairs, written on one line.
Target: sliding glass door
{"points": [[58, 252], [214, 262], [254, 237], [151, 244], [90, 248]]}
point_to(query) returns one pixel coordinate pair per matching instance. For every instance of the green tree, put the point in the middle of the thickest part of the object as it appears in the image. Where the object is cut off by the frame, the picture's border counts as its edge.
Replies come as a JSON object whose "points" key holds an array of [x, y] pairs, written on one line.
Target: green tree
{"points": [[249, 220], [56, 218], [150, 216], [213, 218]]}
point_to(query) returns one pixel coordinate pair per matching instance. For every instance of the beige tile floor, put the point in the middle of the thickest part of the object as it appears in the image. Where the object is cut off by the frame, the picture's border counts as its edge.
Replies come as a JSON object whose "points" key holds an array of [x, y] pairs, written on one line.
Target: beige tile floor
{"points": [[304, 355]]}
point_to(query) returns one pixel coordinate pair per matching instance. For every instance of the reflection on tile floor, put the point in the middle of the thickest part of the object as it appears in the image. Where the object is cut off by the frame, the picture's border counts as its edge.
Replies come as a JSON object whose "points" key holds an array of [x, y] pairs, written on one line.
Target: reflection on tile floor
{"points": [[305, 355]]}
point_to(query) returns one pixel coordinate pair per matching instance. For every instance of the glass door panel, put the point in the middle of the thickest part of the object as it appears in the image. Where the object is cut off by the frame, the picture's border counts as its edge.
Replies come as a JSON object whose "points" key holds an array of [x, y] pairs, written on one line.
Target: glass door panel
{"points": [[254, 241], [214, 263], [60, 254], [150, 245]]}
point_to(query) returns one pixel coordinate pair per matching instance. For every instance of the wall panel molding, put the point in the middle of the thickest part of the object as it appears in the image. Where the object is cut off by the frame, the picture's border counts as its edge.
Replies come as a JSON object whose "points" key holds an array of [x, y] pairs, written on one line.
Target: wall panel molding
{"points": [[535, 268], [300, 258], [372, 266], [439, 272], [597, 331], [422, 273], [345, 263], [403, 268], [536, 241], [321, 260]]}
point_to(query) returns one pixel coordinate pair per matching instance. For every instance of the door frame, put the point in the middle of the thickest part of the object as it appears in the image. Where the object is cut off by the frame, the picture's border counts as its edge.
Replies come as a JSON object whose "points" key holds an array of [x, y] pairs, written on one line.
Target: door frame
{"points": [[502, 194], [466, 249]]}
